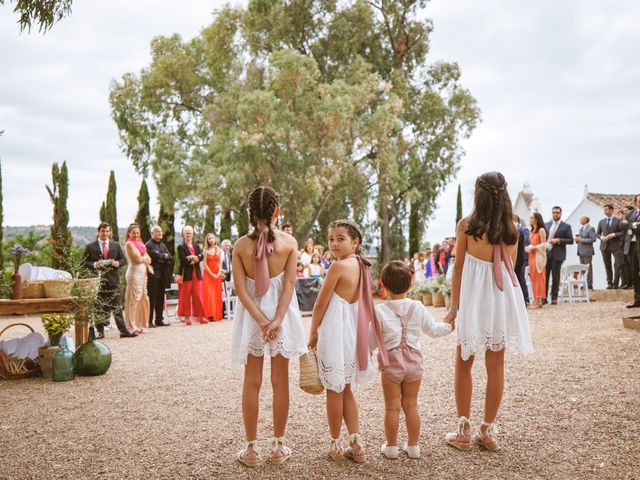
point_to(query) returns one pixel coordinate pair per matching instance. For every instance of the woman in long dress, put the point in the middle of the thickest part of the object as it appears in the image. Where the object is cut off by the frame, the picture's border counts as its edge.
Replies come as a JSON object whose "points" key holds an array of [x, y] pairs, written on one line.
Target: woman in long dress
{"points": [[189, 279], [212, 279], [136, 301], [537, 251], [488, 304]]}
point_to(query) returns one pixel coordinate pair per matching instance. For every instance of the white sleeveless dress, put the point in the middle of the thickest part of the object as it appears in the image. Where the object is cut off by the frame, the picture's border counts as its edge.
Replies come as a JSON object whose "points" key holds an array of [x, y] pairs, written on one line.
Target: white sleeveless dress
{"points": [[246, 337], [336, 349], [488, 318]]}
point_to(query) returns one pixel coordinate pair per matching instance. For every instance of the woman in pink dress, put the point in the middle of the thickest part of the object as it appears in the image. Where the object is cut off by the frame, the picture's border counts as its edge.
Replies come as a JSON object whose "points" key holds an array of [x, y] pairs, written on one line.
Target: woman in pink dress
{"points": [[190, 279], [212, 281]]}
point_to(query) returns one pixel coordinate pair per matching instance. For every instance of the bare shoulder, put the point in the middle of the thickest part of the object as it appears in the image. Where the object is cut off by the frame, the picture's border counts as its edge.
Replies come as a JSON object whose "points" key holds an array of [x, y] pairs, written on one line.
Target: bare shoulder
{"points": [[243, 244], [287, 241]]}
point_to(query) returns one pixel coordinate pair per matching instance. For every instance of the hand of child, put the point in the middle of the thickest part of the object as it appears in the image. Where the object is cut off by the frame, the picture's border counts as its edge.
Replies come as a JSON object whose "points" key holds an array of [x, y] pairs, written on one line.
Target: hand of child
{"points": [[271, 331], [313, 340], [450, 318]]}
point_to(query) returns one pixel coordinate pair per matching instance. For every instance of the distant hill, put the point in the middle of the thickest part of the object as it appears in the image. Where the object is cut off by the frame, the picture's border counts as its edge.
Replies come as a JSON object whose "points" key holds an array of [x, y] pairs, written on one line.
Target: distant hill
{"points": [[81, 235]]}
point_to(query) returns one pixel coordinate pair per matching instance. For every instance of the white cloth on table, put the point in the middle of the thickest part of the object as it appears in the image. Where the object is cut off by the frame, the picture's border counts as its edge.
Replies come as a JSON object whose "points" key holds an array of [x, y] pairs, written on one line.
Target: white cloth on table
{"points": [[30, 273]]}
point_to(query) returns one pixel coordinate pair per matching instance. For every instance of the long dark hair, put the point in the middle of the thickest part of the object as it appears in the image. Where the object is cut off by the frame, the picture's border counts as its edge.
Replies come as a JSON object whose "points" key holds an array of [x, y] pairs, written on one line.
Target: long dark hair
{"points": [[492, 212], [539, 223], [354, 231], [263, 202]]}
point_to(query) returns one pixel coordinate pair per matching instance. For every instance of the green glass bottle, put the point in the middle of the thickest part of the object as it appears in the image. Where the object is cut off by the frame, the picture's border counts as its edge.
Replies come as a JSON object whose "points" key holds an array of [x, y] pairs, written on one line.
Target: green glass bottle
{"points": [[63, 365], [92, 358]]}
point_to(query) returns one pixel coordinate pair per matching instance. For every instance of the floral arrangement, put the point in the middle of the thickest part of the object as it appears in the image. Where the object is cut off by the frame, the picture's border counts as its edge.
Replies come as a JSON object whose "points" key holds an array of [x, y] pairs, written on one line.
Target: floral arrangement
{"points": [[17, 252], [56, 325]]}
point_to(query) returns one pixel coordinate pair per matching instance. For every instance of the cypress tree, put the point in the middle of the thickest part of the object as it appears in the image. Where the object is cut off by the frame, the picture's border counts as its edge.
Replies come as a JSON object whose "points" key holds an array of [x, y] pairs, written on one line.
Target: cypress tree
{"points": [[60, 234], [225, 226], [110, 213], [166, 220], [459, 206], [143, 217], [1, 223], [103, 212]]}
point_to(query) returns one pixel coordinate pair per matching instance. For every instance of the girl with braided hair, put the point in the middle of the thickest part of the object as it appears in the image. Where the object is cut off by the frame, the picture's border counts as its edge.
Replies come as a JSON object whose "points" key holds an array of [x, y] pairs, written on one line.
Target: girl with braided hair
{"points": [[488, 304], [267, 320], [340, 323]]}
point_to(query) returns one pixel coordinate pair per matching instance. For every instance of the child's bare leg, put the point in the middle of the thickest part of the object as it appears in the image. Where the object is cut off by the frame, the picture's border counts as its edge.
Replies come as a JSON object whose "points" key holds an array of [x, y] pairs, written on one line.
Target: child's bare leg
{"points": [[495, 384], [463, 384], [335, 408], [392, 403], [410, 409], [251, 398], [350, 411], [280, 386]]}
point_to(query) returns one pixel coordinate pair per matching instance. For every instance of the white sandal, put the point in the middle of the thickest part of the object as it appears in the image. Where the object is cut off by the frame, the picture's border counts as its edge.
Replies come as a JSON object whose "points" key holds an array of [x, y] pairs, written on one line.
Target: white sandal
{"points": [[336, 451], [389, 451], [242, 455], [413, 451], [456, 439], [355, 443], [279, 445], [490, 432]]}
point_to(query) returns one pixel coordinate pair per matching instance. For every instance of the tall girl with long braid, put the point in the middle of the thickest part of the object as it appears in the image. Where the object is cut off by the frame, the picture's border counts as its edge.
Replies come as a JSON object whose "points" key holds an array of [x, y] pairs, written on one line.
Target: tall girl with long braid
{"points": [[267, 320]]}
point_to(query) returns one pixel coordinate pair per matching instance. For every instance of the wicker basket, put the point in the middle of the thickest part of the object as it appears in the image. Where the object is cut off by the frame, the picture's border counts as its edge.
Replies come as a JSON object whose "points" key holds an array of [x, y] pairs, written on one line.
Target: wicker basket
{"points": [[438, 299], [309, 374], [33, 290], [89, 286], [15, 368], [58, 288]]}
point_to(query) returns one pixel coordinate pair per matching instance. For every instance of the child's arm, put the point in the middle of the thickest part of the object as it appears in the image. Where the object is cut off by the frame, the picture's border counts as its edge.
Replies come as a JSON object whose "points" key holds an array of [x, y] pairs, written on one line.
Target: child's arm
{"points": [[430, 327], [240, 284], [289, 281], [373, 344], [319, 309]]}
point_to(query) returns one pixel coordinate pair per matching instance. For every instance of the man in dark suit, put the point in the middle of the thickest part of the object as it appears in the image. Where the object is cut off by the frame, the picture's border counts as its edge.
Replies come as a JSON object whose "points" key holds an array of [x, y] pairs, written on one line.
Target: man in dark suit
{"points": [[560, 236], [627, 235], [227, 255], [522, 258], [105, 257], [633, 219], [611, 245], [585, 239], [160, 279]]}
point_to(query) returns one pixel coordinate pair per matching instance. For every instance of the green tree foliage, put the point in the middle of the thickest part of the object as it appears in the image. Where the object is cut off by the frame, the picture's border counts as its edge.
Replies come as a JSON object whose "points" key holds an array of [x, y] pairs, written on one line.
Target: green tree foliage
{"points": [[60, 237], [110, 211], [41, 13], [41, 248], [143, 217], [459, 205], [103, 212], [332, 103]]}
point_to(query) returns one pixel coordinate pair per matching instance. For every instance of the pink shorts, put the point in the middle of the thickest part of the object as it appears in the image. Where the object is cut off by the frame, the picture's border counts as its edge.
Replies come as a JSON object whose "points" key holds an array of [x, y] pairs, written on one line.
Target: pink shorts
{"points": [[405, 365]]}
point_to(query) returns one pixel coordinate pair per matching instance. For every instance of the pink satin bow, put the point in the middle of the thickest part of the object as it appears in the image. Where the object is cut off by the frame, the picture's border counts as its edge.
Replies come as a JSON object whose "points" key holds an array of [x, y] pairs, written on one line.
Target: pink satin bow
{"points": [[260, 263], [501, 254]]}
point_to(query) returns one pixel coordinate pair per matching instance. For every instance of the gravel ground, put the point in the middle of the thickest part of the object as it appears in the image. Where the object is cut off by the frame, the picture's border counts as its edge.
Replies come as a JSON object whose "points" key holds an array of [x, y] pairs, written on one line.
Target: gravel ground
{"points": [[169, 407]]}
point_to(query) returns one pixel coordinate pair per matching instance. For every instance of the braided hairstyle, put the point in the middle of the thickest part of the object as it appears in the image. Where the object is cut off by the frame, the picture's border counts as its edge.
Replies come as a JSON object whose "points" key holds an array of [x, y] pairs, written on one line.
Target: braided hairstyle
{"points": [[492, 211], [263, 202], [354, 231]]}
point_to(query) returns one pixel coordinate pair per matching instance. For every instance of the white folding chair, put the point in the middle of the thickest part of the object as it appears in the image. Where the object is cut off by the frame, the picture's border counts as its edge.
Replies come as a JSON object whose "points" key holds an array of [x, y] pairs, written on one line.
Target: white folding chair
{"points": [[527, 279], [577, 283], [563, 289], [230, 298], [171, 296]]}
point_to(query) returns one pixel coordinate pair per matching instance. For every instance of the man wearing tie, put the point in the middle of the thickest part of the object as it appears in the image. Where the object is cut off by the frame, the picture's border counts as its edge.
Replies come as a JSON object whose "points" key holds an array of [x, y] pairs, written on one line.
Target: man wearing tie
{"points": [[611, 245], [560, 236], [585, 239], [226, 267], [633, 217], [105, 257]]}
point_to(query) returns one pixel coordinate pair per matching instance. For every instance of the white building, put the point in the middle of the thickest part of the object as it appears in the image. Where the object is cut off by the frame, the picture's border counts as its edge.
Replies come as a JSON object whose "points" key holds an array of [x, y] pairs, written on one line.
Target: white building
{"points": [[526, 203], [592, 206]]}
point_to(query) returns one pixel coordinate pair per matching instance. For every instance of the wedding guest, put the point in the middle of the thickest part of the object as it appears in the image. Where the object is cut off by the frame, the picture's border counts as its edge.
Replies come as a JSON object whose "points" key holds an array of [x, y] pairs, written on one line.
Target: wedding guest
{"points": [[522, 259], [407, 262], [624, 225], [105, 256], [305, 258], [537, 251], [436, 269], [560, 236], [287, 228], [136, 301], [446, 256], [227, 266], [419, 269], [585, 239], [486, 304], [212, 281], [427, 257], [160, 279], [301, 271], [315, 268], [189, 279], [327, 259], [633, 218], [611, 246]]}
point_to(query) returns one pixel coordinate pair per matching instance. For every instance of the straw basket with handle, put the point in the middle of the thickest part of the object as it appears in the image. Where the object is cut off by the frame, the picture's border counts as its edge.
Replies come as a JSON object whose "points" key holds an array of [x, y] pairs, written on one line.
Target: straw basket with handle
{"points": [[15, 368], [32, 290], [309, 374], [58, 288]]}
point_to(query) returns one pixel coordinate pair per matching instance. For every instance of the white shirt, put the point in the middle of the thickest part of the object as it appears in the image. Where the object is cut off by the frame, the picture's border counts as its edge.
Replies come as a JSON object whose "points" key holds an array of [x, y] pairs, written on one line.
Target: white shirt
{"points": [[554, 229], [305, 258], [420, 322]]}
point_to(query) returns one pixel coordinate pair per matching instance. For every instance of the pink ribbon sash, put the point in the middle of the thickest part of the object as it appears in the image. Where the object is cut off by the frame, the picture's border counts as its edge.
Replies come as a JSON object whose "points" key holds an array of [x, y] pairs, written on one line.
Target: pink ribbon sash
{"points": [[366, 315], [501, 254], [260, 263]]}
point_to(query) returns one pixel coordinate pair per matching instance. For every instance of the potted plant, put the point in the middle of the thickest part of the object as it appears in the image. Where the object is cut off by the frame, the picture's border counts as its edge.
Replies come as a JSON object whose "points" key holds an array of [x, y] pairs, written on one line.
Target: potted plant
{"points": [[56, 325], [17, 252], [446, 289], [438, 294]]}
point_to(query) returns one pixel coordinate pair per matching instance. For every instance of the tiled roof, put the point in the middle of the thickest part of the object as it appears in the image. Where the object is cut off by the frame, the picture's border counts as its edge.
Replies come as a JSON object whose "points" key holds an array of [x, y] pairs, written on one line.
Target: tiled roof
{"points": [[618, 201]]}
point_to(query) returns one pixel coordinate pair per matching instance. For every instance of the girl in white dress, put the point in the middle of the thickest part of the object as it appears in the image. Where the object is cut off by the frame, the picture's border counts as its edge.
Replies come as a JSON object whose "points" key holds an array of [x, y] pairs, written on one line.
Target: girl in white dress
{"points": [[267, 320], [340, 332], [488, 304]]}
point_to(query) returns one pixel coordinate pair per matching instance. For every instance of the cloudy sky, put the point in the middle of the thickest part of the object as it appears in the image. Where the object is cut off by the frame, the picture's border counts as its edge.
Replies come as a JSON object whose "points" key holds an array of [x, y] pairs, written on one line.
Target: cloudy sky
{"points": [[557, 83]]}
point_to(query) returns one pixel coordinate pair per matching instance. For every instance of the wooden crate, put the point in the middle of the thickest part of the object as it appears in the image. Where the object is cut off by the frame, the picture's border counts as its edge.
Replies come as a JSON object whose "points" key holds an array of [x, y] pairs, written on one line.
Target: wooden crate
{"points": [[631, 322]]}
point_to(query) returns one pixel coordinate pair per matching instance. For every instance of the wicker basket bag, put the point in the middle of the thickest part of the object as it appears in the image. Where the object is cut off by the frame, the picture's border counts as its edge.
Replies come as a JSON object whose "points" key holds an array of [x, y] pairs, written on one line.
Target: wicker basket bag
{"points": [[32, 290], [309, 374], [15, 368], [58, 288]]}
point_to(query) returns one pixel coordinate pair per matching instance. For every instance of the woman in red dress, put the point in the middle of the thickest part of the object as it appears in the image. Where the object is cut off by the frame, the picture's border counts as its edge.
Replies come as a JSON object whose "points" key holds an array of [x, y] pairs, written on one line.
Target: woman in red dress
{"points": [[537, 251], [212, 281]]}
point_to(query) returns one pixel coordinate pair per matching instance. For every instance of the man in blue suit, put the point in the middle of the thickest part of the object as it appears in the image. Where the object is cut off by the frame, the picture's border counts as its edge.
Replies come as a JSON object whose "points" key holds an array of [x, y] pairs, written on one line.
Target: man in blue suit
{"points": [[560, 236]]}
